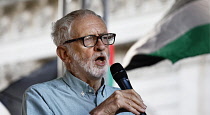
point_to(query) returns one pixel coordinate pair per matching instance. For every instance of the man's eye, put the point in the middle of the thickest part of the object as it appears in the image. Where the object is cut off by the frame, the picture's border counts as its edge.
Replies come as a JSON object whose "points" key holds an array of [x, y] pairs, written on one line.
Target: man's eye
{"points": [[88, 38]]}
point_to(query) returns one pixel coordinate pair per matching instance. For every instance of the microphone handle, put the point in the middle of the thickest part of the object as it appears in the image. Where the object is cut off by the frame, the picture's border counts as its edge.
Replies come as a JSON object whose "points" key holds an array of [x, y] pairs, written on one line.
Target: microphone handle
{"points": [[125, 84], [143, 113]]}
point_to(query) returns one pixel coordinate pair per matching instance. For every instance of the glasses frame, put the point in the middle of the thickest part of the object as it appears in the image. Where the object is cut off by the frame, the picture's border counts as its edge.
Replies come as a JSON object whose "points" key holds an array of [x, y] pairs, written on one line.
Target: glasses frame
{"points": [[98, 37]]}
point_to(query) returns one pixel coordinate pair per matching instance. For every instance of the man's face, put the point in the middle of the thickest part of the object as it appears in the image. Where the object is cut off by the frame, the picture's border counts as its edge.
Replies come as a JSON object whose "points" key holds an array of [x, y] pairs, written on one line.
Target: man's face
{"points": [[91, 61]]}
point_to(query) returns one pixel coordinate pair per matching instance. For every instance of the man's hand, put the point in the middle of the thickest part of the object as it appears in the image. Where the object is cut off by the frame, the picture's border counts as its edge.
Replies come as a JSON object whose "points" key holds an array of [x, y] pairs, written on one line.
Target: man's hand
{"points": [[121, 100]]}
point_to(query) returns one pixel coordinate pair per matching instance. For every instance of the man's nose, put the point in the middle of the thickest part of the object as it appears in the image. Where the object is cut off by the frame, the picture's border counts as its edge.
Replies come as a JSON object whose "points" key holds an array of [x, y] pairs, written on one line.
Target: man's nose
{"points": [[100, 45]]}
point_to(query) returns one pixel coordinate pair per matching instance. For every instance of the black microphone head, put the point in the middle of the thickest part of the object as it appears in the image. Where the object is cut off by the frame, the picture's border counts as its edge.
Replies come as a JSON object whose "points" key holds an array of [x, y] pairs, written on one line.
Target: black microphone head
{"points": [[118, 71], [120, 76]]}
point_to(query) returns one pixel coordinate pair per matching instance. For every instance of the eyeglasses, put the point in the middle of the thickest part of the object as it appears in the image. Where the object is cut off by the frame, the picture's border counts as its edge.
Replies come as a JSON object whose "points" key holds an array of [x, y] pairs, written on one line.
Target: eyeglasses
{"points": [[91, 40]]}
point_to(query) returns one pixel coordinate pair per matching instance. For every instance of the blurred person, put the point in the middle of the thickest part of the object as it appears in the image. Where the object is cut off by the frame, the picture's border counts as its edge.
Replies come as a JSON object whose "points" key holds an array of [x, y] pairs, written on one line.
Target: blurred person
{"points": [[82, 44]]}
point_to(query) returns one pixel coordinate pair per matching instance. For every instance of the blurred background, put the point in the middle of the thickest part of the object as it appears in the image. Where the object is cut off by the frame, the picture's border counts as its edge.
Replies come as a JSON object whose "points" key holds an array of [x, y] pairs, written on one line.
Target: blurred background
{"points": [[168, 88]]}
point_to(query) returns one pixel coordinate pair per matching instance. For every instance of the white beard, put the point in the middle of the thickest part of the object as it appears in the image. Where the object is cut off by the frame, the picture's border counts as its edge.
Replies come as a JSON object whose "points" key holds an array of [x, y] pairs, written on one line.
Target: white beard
{"points": [[89, 66]]}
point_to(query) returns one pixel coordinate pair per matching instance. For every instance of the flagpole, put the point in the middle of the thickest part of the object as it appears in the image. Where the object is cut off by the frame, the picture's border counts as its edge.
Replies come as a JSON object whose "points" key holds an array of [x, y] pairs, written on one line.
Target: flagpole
{"points": [[109, 79]]}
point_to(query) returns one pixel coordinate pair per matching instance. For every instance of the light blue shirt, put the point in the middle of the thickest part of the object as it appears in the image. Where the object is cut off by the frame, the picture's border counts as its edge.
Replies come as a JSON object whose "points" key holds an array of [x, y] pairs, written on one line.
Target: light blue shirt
{"points": [[64, 96]]}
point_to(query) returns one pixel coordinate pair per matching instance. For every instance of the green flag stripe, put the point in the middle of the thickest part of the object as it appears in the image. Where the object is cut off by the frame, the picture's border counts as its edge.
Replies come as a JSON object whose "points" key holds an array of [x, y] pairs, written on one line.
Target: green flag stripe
{"points": [[195, 42]]}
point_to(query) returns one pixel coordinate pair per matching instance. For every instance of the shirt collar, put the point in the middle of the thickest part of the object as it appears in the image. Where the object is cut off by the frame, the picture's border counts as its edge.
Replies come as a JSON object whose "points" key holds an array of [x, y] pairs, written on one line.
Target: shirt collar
{"points": [[80, 86]]}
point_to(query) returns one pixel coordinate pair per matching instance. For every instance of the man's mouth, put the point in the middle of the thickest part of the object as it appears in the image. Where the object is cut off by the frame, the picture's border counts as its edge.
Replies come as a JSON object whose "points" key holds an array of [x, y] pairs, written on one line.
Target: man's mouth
{"points": [[100, 61]]}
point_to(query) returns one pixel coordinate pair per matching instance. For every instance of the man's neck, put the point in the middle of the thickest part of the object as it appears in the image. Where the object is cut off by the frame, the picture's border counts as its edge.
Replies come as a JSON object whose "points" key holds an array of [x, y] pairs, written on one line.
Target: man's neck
{"points": [[93, 82]]}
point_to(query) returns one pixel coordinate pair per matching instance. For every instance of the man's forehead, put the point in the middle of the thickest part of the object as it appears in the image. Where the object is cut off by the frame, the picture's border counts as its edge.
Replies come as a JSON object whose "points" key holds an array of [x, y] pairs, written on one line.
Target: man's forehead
{"points": [[88, 24]]}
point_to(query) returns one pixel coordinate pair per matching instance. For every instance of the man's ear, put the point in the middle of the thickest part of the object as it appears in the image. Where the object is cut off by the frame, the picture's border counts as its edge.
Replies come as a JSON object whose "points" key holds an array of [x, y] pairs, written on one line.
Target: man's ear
{"points": [[62, 52]]}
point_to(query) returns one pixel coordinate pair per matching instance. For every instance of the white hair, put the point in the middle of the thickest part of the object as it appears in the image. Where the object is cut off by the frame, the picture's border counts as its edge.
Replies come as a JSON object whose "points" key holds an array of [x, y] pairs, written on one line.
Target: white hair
{"points": [[61, 28]]}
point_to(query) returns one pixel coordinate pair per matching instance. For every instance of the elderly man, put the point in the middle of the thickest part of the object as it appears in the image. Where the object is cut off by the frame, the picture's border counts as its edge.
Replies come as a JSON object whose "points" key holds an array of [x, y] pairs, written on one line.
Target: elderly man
{"points": [[82, 44]]}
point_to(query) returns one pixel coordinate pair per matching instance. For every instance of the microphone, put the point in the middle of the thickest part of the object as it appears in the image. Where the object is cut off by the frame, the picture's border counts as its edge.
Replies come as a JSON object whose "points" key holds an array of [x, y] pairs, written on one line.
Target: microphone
{"points": [[120, 76]]}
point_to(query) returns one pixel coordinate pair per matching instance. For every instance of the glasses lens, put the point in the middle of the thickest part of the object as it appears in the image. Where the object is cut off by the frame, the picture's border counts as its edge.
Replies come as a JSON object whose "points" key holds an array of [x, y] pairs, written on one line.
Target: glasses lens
{"points": [[108, 39], [90, 41]]}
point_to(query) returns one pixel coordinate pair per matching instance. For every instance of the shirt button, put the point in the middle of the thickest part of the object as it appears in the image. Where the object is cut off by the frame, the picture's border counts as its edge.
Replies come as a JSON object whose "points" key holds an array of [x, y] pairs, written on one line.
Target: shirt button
{"points": [[90, 90], [82, 93]]}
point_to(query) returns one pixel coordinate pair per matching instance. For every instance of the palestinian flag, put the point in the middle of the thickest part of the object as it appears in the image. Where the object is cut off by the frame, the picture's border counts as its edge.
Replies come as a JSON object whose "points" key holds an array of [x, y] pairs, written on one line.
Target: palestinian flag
{"points": [[183, 32]]}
